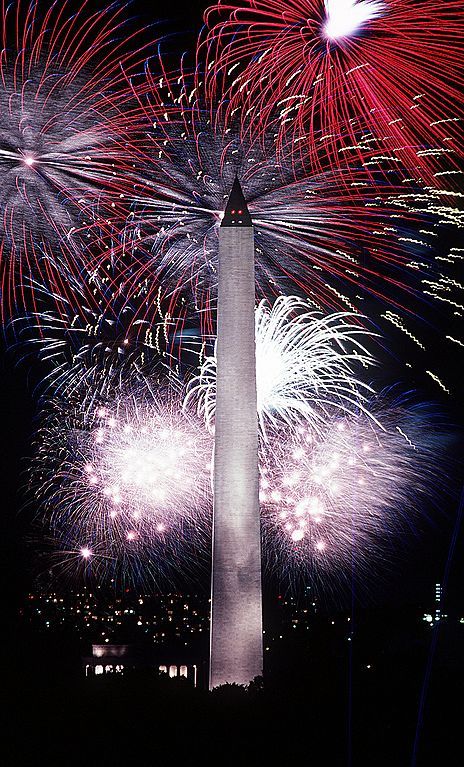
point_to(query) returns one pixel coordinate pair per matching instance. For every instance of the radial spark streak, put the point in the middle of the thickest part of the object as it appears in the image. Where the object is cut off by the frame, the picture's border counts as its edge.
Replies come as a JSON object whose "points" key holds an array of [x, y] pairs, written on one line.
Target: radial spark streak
{"points": [[305, 367]]}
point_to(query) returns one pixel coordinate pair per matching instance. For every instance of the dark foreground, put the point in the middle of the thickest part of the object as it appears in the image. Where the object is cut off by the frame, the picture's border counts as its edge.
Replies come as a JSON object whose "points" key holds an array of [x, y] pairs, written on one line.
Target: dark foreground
{"points": [[308, 712]]}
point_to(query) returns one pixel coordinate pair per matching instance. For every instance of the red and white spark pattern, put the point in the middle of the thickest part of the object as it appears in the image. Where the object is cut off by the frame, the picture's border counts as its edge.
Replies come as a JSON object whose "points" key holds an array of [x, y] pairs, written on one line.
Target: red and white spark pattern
{"points": [[318, 69], [67, 115], [331, 234]]}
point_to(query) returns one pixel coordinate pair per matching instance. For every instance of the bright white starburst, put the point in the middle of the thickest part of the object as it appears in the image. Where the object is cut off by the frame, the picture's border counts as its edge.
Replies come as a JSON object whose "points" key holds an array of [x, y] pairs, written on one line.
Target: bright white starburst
{"points": [[148, 462], [346, 17], [305, 366], [124, 481]]}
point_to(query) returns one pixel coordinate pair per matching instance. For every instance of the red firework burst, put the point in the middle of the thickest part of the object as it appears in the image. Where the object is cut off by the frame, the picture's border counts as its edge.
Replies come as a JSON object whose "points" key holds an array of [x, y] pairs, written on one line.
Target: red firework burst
{"points": [[336, 235], [67, 113], [338, 67]]}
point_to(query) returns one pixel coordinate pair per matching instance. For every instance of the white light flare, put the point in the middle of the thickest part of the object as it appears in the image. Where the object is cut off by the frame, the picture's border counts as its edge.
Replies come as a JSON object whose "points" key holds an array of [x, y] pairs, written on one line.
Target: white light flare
{"points": [[124, 486], [345, 17], [148, 463]]}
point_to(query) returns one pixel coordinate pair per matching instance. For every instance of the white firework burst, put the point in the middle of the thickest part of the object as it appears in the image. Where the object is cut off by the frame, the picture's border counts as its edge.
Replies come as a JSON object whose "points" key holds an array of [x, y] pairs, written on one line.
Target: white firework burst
{"points": [[338, 503], [305, 366], [124, 481], [346, 17]]}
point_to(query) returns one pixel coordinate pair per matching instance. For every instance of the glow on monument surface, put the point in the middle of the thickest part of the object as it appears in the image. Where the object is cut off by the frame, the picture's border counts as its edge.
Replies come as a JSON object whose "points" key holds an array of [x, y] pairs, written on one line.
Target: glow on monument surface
{"points": [[236, 604]]}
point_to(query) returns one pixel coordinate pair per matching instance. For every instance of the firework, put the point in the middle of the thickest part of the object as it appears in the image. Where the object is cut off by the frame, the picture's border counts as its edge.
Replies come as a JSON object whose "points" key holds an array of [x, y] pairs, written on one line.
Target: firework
{"points": [[67, 114], [96, 336], [346, 18], [334, 503], [84, 348], [336, 68], [332, 236], [304, 367], [126, 480]]}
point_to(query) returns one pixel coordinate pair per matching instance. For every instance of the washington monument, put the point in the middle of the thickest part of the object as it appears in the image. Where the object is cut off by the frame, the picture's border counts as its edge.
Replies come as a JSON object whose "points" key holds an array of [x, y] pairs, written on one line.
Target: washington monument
{"points": [[236, 604]]}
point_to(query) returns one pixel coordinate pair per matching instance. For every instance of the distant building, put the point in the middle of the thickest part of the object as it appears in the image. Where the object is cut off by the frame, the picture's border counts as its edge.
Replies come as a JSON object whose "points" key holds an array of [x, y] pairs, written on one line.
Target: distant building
{"points": [[438, 598], [121, 658], [436, 614]]}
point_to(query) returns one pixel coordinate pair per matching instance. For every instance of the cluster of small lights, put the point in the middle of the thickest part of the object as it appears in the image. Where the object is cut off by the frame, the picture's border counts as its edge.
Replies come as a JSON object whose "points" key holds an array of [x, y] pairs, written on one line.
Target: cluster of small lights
{"points": [[98, 615], [304, 494]]}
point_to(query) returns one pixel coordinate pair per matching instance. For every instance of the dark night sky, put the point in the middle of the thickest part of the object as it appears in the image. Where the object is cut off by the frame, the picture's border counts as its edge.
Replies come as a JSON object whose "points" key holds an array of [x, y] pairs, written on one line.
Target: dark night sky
{"points": [[424, 562]]}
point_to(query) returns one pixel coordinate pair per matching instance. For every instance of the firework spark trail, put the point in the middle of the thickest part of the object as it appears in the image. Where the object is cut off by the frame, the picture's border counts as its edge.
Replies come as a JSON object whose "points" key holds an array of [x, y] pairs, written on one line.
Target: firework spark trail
{"points": [[333, 236], [77, 342], [96, 339], [79, 346], [67, 114], [126, 481], [305, 367], [350, 492], [306, 67]]}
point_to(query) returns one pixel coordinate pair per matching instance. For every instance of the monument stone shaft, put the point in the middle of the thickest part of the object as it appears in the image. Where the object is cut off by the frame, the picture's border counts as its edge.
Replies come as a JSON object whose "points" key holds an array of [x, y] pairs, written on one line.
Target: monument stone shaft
{"points": [[236, 604]]}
